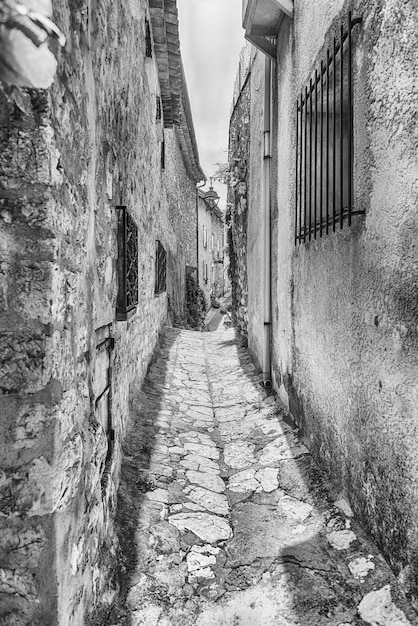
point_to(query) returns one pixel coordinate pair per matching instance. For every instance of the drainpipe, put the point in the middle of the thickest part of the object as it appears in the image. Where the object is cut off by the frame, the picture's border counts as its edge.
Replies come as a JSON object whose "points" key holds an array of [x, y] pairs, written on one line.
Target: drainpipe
{"points": [[266, 195]]}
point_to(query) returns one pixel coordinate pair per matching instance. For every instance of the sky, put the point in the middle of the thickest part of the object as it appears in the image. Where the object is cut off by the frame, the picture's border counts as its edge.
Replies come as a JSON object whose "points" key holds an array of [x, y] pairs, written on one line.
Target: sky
{"points": [[211, 38]]}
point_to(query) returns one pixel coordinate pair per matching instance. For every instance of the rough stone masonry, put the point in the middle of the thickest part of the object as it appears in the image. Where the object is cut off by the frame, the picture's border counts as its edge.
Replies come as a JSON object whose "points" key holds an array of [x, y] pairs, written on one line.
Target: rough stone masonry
{"points": [[224, 518]]}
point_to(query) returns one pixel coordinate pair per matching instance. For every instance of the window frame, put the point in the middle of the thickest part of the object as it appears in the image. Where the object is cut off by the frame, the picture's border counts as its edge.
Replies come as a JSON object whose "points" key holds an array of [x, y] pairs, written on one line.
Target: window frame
{"points": [[127, 269], [160, 269], [324, 148]]}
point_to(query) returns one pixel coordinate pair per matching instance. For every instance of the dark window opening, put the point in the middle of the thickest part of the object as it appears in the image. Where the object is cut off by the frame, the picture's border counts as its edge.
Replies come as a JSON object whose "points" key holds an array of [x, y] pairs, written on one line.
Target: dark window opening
{"points": [[127, 298], [158, 109], [163, 154], [324, 144], [160, 268], [148, 40]]}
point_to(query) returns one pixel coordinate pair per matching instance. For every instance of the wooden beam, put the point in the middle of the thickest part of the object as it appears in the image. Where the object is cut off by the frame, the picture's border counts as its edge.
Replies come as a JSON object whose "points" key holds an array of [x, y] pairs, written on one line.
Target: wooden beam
{"points": [[285, 5], [263, 44]]}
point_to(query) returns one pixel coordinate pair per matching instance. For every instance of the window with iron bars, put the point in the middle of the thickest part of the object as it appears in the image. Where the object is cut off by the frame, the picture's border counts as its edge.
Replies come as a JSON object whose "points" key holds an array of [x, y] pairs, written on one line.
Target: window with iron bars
{"points": [[160, 268], [162, 148], [324, 144], [148, 39], [127, 298]]}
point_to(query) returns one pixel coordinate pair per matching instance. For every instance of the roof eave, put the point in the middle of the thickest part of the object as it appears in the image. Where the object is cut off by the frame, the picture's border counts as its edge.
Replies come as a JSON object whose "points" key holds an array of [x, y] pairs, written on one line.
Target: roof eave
{"points": [[262, 20]]}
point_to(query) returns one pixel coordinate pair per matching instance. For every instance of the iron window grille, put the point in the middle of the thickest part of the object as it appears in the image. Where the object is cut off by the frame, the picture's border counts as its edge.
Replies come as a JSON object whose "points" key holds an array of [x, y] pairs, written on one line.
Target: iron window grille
{"points": [[127, 298], [324, 144], [148, 40], [160, 268]]}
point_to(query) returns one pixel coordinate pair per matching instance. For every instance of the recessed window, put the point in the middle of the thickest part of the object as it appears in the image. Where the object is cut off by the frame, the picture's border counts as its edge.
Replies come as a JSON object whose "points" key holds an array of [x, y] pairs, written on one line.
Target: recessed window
{"points": [[148, 40], [160, 268], [205, 237], [163, 154], [127, 298], [324, 144], [158, 109], [205, 272]]}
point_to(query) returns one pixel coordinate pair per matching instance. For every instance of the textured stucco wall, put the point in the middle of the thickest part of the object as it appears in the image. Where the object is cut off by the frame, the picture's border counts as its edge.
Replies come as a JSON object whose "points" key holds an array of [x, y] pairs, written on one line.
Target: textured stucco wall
{"points": [[68, 157], [255, 227], [345, 307]]}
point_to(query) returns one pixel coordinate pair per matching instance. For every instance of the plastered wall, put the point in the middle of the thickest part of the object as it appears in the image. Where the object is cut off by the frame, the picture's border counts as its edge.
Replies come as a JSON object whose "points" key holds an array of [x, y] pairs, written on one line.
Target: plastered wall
{"points": [[68, 157], [345, 340]]}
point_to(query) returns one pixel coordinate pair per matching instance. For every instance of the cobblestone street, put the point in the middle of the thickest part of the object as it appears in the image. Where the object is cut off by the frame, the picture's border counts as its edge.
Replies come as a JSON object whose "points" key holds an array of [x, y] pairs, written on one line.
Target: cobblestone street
{"points": [[224, 518]]}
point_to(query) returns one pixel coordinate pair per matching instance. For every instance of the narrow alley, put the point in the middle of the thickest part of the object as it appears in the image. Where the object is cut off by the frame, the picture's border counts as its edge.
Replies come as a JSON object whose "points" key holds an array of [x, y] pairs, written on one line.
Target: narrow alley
{"points": [[224, 518]]}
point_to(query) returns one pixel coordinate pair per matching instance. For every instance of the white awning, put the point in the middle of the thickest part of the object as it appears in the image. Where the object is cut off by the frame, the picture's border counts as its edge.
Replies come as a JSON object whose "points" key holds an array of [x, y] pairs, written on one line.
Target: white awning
{"points": [[262, 20]]}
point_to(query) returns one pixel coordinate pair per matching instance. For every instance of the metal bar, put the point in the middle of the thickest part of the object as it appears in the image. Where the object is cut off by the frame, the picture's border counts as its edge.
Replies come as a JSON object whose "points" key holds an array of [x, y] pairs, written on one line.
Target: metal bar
{"points": [[341, 130], [321, 158], [330, 59], [334, 134], [305, 165], [316, 151], [327, 149], [300, 170], [296, 174], [350, 130], [310, 161]]}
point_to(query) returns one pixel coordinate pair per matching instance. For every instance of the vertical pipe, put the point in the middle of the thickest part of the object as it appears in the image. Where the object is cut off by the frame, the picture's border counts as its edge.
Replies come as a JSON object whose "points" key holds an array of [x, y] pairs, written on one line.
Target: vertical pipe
{"points": [[316, 153], [341, 130], [267, 225], [310, 159], [296, 174], [321, 155], [350, 114], [305, 168], [300, 167], [327, 148], [334, 133]]}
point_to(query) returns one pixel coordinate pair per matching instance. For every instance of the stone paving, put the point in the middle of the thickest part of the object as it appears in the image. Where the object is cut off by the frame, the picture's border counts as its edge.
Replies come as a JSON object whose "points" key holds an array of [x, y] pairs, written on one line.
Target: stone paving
{"points": [[225, 520]]}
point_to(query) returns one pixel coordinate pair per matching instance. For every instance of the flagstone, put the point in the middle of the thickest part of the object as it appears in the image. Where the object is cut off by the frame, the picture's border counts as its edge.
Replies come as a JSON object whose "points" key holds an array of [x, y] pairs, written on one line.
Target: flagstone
{"points": [[214, 502], [200, 463], [243, 481], [240, 454], [212, 482], [267, 478], [210, 528], [211, 452]]}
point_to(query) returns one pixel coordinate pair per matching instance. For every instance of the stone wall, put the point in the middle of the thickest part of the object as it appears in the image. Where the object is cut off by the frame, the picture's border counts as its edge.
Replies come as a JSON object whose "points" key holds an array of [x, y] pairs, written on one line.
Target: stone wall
{"points": [[345, 340], [68, 157], [237, 213], [182, 213]]}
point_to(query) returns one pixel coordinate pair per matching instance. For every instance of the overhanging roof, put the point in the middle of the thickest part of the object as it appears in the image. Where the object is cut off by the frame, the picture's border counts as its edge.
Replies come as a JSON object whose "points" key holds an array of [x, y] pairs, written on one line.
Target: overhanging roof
{"points": [[261, 20], [173, 87]]}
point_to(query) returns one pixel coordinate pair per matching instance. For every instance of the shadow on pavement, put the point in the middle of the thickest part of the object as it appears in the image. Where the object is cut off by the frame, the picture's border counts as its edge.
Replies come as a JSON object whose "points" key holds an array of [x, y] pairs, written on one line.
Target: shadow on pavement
{"points": [[138, 451]]}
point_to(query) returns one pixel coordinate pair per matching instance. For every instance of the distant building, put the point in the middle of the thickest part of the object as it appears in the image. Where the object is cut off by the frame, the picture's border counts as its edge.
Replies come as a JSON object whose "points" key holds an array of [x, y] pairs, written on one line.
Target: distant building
{"points": [[324, 179], [210, 244], [98, 222]]}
